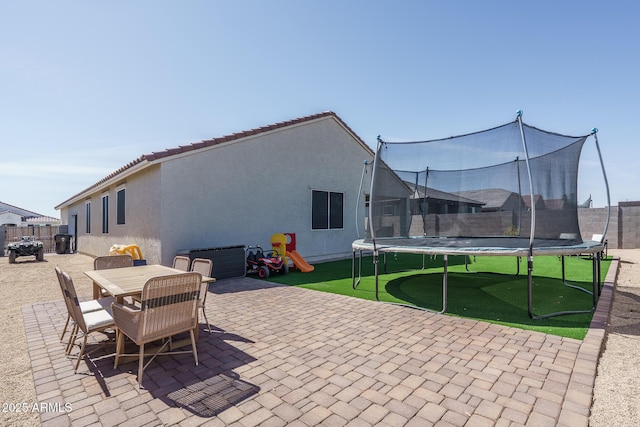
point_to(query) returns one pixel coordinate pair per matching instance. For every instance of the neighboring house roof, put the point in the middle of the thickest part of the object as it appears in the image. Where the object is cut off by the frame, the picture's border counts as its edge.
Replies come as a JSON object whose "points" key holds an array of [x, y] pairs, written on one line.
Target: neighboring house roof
{"points": [[556, 204], [42, 220], [146, 159], [432, 193], [493, 198], [539, 201], [27, 215], [16, 210]]}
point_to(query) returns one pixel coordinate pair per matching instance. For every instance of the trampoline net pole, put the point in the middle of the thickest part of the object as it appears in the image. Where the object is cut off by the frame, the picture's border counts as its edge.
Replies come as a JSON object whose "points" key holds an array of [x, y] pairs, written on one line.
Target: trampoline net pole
{"points": [[531, 193], [606, 184]]}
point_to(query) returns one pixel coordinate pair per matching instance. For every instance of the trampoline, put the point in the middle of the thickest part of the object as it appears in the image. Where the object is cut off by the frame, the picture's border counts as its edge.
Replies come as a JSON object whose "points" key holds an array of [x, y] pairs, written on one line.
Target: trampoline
{"points": [[506, 191]]}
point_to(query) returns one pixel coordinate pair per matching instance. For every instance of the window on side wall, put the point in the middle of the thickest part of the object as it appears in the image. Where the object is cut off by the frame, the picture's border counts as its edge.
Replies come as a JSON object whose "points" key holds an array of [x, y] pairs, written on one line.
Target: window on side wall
{"points": [[120, 206], [327, 210], [105, 214], [87, 210]]}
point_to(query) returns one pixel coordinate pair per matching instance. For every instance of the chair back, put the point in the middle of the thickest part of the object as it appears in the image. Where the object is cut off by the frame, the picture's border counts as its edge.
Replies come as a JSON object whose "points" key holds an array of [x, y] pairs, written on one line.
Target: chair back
{"points": [[65, 294], [169, 305], [112, 261], [204, 267], [181, 262], [73, 302]]}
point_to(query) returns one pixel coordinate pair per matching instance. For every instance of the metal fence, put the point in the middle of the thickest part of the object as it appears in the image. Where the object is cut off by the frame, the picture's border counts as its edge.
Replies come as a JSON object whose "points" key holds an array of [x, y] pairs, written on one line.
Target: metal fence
{"points": [[45, 234]]}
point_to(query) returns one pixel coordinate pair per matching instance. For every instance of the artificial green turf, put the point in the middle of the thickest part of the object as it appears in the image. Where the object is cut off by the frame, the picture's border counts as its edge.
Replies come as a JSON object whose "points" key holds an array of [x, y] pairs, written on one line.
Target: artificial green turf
{"points": [[487, 289]]}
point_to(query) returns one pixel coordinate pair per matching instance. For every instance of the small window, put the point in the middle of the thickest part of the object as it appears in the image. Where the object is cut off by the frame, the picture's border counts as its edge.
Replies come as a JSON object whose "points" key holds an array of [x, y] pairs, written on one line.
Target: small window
{"points": [[105, 214], [120, 206], [327, 210], [88, 217], [335, 210]]}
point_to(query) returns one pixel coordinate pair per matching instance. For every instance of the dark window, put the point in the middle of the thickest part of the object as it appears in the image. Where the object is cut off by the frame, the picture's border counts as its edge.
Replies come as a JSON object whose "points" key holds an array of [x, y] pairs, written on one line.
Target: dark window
{"points": [[105, 214], [319, 210], [88, 215], [335, 210], [327, 210], [120, 196]]}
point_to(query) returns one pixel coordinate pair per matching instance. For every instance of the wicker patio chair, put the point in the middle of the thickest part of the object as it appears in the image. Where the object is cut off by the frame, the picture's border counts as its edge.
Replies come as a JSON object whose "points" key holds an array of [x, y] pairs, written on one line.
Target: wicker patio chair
{"points": [[86, 323], [112, 261], [169, 307], [85, 306], [181, 262], [204, 267]]}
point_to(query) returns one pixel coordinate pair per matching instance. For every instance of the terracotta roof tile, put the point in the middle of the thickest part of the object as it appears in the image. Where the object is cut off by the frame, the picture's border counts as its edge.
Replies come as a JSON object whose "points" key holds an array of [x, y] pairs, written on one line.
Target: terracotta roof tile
{"points": [[156, 155]]}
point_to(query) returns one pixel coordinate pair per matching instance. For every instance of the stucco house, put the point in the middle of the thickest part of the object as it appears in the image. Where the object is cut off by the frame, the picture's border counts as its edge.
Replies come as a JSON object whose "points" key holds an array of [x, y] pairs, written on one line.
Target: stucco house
{"points": [[300, 176]]}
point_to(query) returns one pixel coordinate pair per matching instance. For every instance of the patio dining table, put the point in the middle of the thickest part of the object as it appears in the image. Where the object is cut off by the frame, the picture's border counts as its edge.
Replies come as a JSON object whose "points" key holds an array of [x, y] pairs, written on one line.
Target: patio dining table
{"points": [[129, 281]]}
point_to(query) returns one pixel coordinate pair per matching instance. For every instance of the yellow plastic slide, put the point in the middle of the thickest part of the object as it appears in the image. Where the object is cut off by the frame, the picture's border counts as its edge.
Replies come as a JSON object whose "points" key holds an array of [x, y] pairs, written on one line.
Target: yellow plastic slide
{"points": [[299, 262]]}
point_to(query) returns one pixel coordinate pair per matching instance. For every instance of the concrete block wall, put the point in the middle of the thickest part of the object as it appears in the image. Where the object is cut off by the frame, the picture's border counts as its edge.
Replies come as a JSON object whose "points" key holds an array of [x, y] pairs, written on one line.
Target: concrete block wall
{"points": [[485, 223], [623, 231], [628, 225], [592, 222]]}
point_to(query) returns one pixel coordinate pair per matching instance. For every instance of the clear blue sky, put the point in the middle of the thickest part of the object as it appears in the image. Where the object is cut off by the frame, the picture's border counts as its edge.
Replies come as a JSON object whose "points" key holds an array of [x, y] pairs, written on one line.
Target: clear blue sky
{"points": [[88, 86]]}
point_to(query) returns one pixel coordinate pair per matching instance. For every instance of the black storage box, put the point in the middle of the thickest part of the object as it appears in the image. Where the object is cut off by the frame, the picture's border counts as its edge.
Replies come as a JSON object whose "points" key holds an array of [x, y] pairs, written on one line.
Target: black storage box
{"points": [[228, 261]]}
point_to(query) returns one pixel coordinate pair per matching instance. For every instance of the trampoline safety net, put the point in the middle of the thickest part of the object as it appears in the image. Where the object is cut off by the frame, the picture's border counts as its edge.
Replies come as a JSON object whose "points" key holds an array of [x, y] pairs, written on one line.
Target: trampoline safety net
{"points": [[511, 182]]}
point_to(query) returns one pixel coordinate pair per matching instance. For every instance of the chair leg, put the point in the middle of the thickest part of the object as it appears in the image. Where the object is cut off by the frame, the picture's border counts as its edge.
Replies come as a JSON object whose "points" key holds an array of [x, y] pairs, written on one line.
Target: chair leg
{"points": [[84, 344], [66, 325], [72, 338], [193, 346], [140, 365], [119, 347], [206, 320]]}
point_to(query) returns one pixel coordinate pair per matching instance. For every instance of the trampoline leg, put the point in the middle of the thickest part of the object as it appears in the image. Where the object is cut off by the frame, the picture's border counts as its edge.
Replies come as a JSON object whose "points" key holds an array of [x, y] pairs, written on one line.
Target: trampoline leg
{"points": [[444, 284], [596, 277], [375, 271], [376, 262], [564, 280], [599, 255], [517, 266], [384, 262], [353, 271], [355, 283], [530, 286]]}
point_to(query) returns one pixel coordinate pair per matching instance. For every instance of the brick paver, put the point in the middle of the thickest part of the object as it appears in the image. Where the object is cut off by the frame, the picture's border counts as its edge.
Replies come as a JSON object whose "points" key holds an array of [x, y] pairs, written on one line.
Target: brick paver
{"points": [[288, 356]]}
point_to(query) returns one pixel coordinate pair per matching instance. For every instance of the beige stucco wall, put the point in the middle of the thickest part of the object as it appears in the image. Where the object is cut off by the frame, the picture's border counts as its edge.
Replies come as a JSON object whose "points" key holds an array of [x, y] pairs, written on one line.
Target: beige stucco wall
{"points": [[237, 193], [245, 191], [142, 220]]}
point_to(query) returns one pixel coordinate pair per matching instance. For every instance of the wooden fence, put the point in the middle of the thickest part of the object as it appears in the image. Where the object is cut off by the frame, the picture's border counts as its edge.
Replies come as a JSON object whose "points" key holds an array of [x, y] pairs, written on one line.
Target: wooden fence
{"points": [[45, 234]]}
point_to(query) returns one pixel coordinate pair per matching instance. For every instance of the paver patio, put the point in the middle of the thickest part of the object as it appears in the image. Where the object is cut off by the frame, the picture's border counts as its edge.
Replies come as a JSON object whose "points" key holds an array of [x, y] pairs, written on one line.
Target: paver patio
{"points": [[282, 355]]}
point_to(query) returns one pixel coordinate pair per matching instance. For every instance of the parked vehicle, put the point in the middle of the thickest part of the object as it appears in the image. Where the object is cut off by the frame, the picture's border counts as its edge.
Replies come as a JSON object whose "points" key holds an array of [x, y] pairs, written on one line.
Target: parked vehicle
{"points": [[263, 264], [27, 246]]}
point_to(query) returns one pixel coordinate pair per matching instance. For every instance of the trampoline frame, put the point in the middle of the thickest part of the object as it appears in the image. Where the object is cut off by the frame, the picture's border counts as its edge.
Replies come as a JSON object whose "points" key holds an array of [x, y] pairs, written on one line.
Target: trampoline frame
{"points": [[593, 248]]}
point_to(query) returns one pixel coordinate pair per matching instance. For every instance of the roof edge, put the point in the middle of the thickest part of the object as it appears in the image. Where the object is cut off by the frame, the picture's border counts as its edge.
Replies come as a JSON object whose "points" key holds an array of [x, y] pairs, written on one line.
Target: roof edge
{"points": [[170, 152]]}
